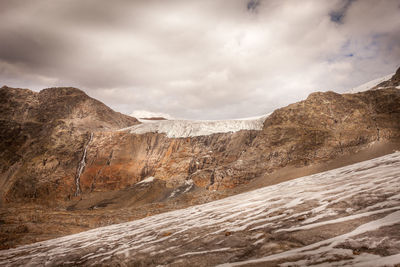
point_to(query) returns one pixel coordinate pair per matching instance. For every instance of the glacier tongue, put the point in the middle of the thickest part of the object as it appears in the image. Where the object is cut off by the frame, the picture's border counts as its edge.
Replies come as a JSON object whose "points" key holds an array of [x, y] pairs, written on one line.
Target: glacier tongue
{"points": [[190, 128]]}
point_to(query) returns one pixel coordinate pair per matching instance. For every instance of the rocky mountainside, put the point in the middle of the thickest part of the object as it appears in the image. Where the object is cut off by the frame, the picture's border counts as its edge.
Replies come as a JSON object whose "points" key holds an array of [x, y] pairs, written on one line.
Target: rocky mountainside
{"points": [[42, 137], [67, 167]]}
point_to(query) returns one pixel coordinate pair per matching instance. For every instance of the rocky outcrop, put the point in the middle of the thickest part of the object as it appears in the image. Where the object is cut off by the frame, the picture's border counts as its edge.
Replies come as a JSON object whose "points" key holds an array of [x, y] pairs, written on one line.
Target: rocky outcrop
{"points": [[61, 155]]}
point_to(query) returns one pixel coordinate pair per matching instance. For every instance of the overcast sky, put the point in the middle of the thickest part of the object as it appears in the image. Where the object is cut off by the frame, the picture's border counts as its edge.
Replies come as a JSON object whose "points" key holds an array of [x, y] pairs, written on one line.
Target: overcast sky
{"points": [[198, 59]]}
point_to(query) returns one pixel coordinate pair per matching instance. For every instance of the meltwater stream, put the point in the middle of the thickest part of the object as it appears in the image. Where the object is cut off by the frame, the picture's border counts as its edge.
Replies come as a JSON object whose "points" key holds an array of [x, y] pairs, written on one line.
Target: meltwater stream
{"points": [[81, 167]]}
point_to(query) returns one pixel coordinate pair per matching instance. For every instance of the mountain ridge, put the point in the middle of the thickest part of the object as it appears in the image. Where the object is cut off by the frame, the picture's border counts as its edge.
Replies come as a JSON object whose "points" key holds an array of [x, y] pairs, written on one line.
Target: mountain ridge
{"points": [[42, 148]]}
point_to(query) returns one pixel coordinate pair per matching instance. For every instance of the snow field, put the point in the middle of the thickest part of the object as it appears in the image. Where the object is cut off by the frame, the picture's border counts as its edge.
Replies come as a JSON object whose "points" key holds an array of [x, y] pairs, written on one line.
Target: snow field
{"points": [[363, 198]]}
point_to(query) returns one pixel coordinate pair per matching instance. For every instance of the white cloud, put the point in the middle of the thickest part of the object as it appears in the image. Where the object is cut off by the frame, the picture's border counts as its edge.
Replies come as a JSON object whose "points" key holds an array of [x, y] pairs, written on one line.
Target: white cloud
{"points": [[199, 59]]}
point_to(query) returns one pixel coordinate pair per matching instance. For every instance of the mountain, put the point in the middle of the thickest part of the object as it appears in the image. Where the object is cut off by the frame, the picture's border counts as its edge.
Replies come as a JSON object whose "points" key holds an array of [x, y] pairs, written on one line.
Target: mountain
{"points": [[70, 164], [42, 135], [345, 217]]}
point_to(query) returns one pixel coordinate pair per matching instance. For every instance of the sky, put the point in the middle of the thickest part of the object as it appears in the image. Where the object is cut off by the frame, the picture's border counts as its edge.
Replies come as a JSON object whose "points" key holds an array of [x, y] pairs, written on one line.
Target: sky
{"points": [[207, 59]]}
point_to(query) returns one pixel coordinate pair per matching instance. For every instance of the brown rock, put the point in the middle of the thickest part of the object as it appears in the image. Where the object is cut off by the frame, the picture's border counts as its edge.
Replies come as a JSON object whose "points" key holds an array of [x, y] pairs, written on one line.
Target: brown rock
{"points": [[44, 136]]}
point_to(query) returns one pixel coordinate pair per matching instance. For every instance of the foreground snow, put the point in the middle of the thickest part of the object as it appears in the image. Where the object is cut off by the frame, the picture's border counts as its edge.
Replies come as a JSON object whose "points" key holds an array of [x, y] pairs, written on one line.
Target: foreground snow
{"points": [[345, 217], [190, 128], [370, 84]]}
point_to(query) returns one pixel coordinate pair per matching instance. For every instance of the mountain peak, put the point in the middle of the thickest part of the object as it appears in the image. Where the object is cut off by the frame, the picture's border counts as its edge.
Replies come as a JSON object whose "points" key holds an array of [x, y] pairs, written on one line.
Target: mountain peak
{"points": [[62, 91]]}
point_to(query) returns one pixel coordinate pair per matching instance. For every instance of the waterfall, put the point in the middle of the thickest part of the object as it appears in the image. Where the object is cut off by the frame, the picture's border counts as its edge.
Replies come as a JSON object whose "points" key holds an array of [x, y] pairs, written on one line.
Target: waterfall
{"points": [[81, 167]]}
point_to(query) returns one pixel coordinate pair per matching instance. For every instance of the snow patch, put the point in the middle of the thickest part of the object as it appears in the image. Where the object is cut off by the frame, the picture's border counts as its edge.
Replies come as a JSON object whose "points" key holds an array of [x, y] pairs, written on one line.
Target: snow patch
{"points": [[147, 180], [186, 187]]}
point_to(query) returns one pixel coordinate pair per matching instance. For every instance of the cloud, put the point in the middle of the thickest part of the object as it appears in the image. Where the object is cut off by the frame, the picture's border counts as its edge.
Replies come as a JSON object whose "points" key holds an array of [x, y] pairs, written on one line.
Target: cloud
{"points": [[198, 59], [252, 5], [339, 13]]}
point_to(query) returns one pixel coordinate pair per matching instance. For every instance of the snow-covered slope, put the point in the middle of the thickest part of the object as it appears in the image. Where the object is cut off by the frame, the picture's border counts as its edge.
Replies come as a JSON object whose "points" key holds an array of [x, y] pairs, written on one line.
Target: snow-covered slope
{"points": [[190, 128], [370, 84], [345, 217]]}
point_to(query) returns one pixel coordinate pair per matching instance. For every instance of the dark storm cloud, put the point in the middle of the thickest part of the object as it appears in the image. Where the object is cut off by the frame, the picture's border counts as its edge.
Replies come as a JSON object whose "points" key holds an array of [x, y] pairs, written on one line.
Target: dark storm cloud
{"points": [[252, 5], [31, 46], [197, 59], [338, 14]]}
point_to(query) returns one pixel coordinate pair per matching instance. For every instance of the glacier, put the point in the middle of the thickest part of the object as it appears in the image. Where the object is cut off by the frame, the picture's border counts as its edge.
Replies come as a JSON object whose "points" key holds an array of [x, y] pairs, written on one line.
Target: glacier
{"points": [[191, 128]]}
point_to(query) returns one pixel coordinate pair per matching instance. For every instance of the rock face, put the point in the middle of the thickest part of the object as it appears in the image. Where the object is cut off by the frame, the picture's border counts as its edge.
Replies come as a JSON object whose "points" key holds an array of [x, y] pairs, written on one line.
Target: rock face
{"points": [[61, 156], [344, 217], [42, 138], [321, 128]]}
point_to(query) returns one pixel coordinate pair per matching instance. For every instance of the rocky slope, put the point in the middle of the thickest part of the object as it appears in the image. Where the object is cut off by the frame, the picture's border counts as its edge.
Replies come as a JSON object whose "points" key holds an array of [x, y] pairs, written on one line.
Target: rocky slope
{"points": [[344, 217], [321, 128], [65, 168], [42, 136]]}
